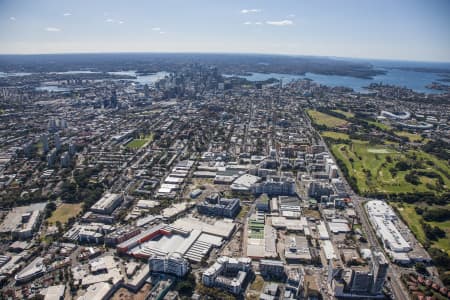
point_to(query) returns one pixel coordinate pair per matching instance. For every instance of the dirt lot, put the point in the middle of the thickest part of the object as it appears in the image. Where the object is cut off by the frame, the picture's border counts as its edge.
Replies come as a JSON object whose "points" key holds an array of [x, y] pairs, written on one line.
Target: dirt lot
{"points": [[124, 294], [207, 185]]}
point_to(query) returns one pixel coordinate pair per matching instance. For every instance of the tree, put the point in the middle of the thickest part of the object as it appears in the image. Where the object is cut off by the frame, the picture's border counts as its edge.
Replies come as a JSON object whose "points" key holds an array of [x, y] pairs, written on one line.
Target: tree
{"points": [[437, 214], [186, 287], [51, 206], [420, 268]]}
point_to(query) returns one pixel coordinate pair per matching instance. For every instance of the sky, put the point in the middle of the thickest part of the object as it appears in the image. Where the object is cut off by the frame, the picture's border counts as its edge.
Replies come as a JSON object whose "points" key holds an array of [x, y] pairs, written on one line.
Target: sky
{"points": [[382, 29]]}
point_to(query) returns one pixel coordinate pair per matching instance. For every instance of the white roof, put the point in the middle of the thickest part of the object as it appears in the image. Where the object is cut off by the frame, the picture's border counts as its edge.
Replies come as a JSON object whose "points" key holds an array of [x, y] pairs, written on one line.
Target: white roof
{"points": [[245, 182], [323, 233], [328, 250], [96, 291], [55, 292]]}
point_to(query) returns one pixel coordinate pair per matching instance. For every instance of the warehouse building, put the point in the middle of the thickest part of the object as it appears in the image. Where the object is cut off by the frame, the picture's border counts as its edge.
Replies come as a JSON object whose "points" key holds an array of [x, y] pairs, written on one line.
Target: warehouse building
{"points": [[163, 240], [107, 203], [383, 219]]}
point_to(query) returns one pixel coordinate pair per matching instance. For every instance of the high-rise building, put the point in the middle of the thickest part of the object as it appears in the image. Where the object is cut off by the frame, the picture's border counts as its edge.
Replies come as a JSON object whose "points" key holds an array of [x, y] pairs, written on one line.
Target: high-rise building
{"points": [[72, 149], [51, 158], [365, 282], [379, 269], [44, 141], [57, 142], [65, 159]]}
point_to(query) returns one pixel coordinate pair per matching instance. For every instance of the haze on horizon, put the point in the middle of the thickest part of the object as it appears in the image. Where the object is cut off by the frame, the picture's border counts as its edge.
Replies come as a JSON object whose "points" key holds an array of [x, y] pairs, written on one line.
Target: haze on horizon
{"points": [[404, 29]]}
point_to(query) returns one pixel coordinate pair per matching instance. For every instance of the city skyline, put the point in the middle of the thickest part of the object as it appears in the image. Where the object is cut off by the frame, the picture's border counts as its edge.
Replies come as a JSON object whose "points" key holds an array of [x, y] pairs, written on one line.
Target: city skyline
{"points": [[403, 30]]}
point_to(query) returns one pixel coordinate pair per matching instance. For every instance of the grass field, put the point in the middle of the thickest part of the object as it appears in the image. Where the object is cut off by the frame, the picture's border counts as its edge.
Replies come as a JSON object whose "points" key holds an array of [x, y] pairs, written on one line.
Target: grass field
{"points": [[243, 212], [345, 113], [412, 137], [320, 118], [64, 212], [335, 135], [370, 165], [381, 126], [412, 219], [139, 143], [258, 284]]}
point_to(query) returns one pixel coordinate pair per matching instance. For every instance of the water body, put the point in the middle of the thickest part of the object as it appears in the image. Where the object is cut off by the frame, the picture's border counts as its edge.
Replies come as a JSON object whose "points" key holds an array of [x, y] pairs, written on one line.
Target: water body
{"points": [[143, 79], [52, 88], [76, 72], [414, 80], [18, 74]]}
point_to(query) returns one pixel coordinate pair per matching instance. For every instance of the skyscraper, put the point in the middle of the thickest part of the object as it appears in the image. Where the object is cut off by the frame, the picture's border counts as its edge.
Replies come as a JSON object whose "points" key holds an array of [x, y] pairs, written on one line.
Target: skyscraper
{"points": [[44, 141], [57, 142]]}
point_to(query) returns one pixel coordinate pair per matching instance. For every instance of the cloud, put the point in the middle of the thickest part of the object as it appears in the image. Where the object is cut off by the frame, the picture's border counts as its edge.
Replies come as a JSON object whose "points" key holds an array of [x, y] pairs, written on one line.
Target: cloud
{"points": [[250, 11], [12, 18], [121, 22], [252, 23], [162, 32], [52, 29], [67, 14], [109, 20], [156, 29], [280, 23], [291, 16]]}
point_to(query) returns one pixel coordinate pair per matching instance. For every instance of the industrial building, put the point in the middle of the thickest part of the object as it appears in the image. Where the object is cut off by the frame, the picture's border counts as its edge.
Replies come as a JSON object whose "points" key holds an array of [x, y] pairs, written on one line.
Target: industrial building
{"points": [[244, 183], [107, 203], [21, 222], [297, 249], [163, 239]]}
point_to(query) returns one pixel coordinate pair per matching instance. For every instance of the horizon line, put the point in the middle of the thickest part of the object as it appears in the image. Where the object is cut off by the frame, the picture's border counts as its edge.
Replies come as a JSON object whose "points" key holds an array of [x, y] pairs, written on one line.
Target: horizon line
{"points": [[229, 53]]}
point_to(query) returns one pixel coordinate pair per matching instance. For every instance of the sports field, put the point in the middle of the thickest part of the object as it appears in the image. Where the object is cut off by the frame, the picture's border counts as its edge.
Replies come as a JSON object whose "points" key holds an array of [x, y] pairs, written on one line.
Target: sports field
{"points": [[139, 143], [64, 212]]}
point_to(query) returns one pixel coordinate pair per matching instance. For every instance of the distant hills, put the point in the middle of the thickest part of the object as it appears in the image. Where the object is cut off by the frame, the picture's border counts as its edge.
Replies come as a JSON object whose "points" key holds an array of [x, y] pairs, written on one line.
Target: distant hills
{"points": [[154, 62]]}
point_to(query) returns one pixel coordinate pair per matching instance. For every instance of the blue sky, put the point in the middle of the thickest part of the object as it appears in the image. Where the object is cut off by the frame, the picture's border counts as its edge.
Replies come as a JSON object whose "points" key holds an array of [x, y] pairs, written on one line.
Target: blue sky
{"points": [[384, 29]]}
